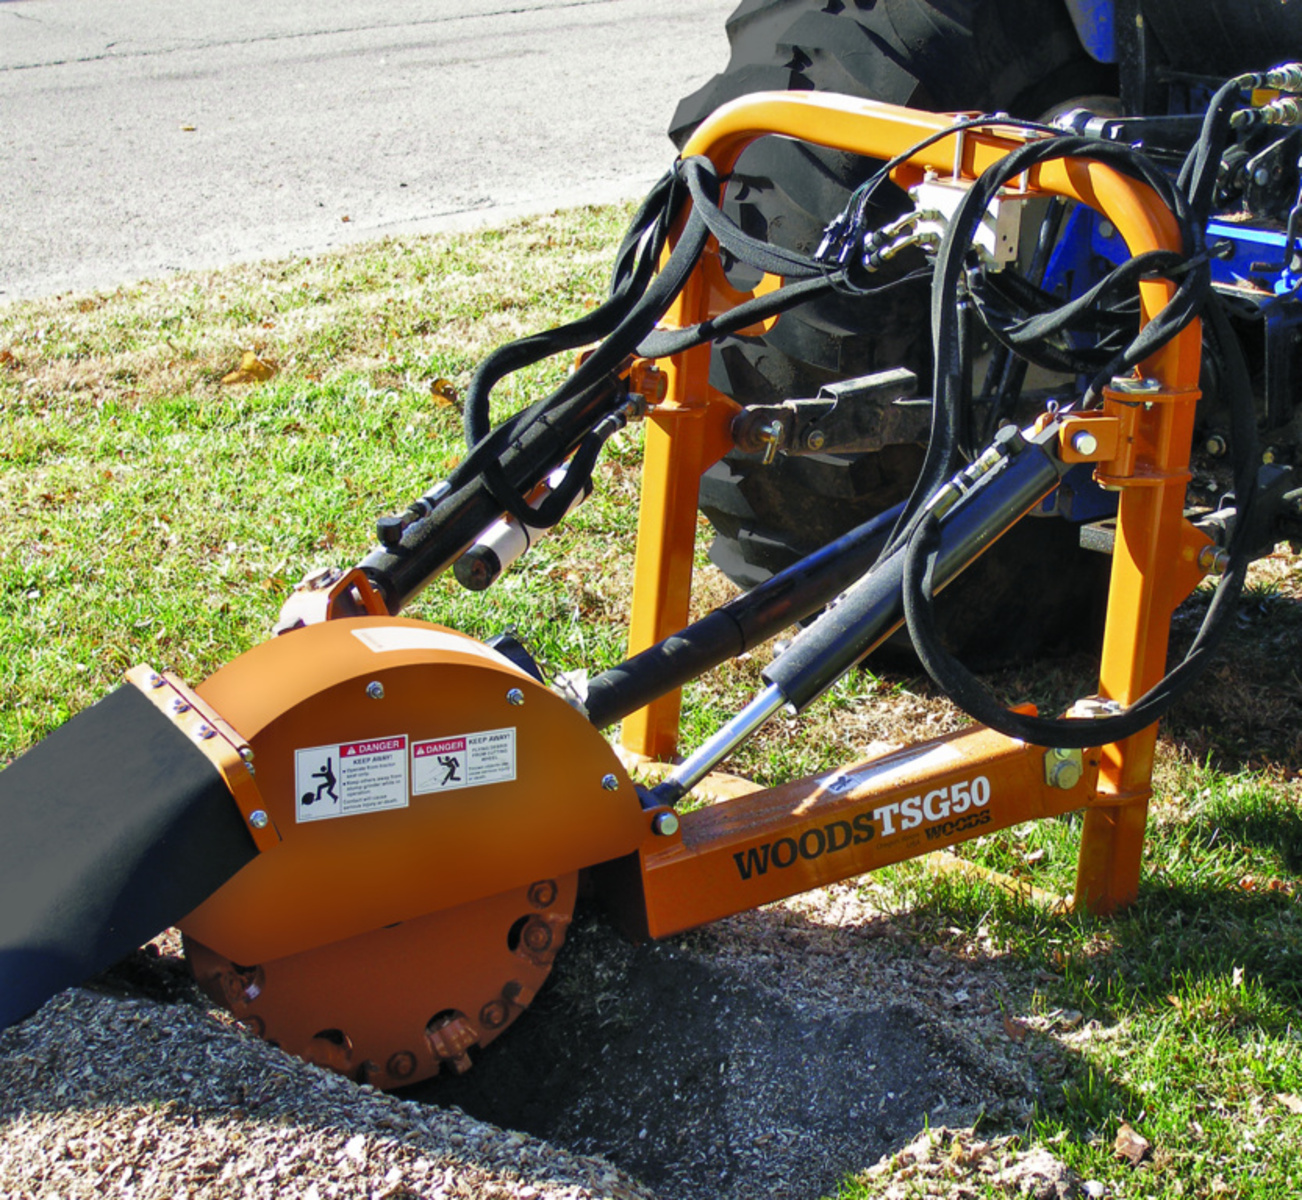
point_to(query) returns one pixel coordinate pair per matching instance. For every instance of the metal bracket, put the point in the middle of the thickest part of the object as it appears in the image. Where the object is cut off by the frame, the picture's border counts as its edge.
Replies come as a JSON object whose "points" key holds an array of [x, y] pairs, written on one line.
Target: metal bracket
{"points": [[855, 416], [222, 745]]}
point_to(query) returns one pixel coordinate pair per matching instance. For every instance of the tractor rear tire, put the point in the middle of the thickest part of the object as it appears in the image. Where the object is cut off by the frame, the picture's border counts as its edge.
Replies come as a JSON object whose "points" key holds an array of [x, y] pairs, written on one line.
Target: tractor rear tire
{"points": [[1019, 56]]}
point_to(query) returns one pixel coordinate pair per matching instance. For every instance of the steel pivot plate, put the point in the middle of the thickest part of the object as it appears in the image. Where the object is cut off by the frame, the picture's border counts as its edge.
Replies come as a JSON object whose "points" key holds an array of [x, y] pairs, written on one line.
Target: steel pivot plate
{"points": [[435, 805]]}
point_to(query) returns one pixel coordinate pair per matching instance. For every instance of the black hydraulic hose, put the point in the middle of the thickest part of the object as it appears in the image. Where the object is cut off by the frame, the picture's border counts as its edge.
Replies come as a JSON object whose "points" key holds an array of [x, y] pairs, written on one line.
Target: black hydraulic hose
{"points": [[435, 541], [664, 342], [951, 368], [922, 575], [515, 457], [873, 608], [750, 620], [635, 263]]}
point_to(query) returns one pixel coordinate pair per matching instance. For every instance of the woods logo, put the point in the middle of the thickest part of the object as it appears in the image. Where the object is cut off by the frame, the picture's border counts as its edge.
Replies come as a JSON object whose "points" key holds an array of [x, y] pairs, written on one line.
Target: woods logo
{"points": [[813, 843], [943, 808]]}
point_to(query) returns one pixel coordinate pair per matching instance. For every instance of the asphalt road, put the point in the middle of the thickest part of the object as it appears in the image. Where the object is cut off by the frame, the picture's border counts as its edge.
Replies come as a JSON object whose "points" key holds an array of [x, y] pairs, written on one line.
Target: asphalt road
{"points": [[147, 136]]}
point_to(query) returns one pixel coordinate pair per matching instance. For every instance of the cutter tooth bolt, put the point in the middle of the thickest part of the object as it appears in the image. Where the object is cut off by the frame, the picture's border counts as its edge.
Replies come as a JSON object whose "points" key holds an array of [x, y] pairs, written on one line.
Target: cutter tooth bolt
{"points": [[401, 1065], [375, 689], [493, 1015], [538, 936], [515, 696]]}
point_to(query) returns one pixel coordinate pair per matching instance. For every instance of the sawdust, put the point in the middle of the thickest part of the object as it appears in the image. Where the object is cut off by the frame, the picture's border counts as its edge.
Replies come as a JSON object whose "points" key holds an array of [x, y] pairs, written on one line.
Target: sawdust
{"points": [[769, 1055]]}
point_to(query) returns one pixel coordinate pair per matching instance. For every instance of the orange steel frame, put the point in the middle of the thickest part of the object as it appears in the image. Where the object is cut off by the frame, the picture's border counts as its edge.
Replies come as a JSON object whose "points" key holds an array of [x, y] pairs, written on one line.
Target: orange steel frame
{"points": [[774, 843]]}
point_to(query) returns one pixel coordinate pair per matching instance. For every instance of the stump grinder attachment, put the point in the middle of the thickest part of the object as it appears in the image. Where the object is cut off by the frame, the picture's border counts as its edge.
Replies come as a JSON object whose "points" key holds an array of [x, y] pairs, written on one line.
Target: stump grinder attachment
{"points": [[371, 830]]}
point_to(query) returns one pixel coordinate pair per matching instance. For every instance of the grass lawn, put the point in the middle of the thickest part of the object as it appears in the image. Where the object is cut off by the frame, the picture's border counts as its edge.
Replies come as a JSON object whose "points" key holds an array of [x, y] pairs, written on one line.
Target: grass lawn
{"points": [[153, 513]]}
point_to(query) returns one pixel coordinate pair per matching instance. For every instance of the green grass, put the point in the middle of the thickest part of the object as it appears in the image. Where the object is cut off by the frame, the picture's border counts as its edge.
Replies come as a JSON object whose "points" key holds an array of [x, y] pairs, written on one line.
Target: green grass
{"points": [[1186, 1010], [152, 513]]}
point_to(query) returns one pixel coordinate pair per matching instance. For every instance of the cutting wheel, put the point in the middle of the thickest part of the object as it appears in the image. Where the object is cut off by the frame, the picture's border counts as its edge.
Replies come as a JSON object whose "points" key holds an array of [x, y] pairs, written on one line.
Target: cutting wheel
{"points": [[400, 1004]]}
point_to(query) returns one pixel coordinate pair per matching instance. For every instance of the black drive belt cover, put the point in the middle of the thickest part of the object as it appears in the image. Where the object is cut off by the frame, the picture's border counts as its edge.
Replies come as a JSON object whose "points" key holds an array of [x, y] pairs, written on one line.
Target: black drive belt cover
{"points": [[111, 830]]}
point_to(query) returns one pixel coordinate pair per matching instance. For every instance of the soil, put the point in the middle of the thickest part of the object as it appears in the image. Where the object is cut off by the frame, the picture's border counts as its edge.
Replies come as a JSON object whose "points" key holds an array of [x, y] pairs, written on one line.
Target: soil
{"points": [[772, 1054]]}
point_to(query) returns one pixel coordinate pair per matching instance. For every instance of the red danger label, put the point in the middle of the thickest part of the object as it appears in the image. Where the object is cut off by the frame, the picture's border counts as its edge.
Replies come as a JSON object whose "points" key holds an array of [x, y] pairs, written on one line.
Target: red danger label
{"points": [[447, 746], [383, 746]]}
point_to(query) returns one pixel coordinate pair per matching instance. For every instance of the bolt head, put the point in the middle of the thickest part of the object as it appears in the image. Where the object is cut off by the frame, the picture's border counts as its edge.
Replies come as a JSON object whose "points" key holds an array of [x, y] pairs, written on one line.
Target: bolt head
{"points": [[1065, 774], [610, 783], [665, 824], [180, 706], [206, 732], [259, 819], [816, 439], [515, 696], [375, 689], [156, 681], [246, 753], [1084, 442]]}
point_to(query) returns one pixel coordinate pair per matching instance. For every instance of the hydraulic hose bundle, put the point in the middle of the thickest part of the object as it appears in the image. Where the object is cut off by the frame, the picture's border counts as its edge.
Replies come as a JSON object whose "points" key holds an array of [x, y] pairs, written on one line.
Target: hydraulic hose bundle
{"points": [[1189, 200], [506, 463]]}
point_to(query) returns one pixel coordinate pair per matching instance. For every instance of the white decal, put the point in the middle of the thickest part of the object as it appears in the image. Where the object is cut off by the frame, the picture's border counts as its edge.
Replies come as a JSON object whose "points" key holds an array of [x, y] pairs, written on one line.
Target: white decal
{"points": [[350, 778], [464, 760], [931, 757], [386, 638], [935, 805]]}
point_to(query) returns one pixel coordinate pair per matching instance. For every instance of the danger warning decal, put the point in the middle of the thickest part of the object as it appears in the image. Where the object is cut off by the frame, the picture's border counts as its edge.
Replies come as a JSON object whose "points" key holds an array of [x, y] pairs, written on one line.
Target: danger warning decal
{"points": [[466, 760], [351, 778]]}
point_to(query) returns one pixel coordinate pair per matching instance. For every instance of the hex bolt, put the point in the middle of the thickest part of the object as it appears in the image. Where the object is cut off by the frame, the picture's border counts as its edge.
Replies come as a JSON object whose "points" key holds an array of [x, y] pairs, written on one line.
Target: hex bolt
{"points": [[1084, 442], [665, 824], [542, 893], [815, 439], [1063, 768], [1065, 775], [610, 783], [515, 696], [375, 689], [259, 819]]}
